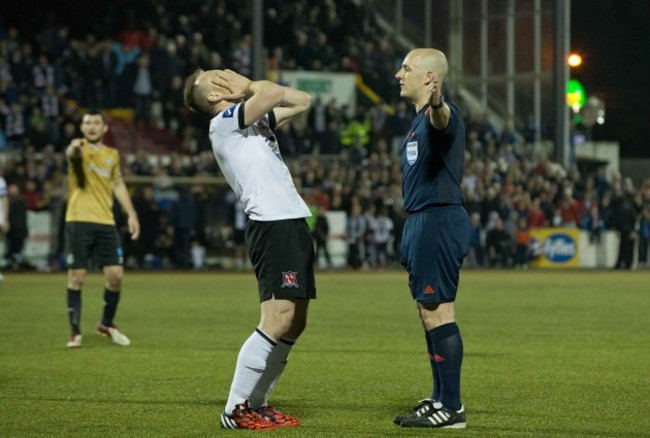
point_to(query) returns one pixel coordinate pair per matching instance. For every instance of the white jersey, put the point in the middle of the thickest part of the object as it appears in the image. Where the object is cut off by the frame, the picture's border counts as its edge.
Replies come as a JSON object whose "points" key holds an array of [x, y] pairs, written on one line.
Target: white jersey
{"points": [[250, 159], [3, 194], [382, 228]]}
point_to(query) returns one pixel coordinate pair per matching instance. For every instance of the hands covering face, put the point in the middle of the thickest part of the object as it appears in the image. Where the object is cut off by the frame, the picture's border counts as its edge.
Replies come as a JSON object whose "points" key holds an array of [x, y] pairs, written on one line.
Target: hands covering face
{"points": [[234, 87]]}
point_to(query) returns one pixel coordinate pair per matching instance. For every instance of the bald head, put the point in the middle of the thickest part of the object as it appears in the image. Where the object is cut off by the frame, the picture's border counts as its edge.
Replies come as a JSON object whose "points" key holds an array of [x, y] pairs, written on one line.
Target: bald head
{"points": [[420, 70], [430, 60]]}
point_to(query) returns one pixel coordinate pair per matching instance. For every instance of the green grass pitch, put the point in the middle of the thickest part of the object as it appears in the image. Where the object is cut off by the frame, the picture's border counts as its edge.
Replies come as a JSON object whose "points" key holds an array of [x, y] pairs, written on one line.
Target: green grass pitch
{"points": [[547, 354]]}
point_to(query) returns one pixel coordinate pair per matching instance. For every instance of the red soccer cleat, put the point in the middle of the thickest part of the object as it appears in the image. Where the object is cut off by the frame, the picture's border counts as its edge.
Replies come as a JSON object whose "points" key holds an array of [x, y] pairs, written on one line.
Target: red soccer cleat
{"points": [[245, 418], [277, 417]]}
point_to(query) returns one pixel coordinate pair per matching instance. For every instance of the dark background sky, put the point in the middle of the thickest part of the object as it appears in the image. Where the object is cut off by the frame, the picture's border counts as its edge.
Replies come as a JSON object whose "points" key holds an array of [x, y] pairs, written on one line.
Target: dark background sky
{"points": [[614, 39], [612, 35]]}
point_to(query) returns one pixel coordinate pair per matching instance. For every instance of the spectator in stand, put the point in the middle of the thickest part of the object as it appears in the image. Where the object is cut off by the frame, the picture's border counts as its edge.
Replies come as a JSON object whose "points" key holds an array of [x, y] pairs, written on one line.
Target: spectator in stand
{"points": [[164, 242], [17, 228], [498, 245], [600, 181], [317, 122], [378, 123], [320, 233], [357, 132], [5, 212], [48, 193], [36, 133], [183, 218], [570, 210], [400, 123], [523, 237], [369, 215], [531, 130], [140, 165], [331, 141], [644, 236], [624, 222], [199, 54], [241, 58], [148, 213], [593, 223], [125, 57], [198, 238], [535, 214], [325, 54], [238, 221], [68, 133], [606, 209], [507, 135], [15, 126], [355, 235], [475, 251], [382, 229], [474, 145], [42, 74], [142, 91], [547, 208], [301, 52], [32, 195]]}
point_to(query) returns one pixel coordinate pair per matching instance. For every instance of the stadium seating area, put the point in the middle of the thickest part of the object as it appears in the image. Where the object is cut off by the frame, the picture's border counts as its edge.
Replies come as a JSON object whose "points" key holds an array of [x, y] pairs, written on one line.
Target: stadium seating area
{"points": [[132, 64]]}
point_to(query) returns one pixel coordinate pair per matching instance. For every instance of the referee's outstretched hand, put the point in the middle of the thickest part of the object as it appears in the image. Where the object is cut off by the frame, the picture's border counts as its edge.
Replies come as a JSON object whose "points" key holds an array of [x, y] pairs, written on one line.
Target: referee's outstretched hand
{"points": [[435, 94]]}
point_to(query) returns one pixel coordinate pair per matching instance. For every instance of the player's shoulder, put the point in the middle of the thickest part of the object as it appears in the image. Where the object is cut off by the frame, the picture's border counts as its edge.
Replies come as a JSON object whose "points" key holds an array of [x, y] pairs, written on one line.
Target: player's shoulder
{"points": [[110, 150], [230, 114], [227, 121], [111, 153]]}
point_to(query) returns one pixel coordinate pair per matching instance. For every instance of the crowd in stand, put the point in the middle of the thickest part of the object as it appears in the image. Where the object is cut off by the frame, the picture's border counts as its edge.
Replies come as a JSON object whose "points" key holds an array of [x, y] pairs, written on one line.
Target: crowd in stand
{"points": [[137, 57]]}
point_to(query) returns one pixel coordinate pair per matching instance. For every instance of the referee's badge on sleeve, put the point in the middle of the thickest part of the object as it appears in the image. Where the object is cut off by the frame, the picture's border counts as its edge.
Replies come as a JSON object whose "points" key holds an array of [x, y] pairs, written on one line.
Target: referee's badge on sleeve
{"points": [[412, 152]]}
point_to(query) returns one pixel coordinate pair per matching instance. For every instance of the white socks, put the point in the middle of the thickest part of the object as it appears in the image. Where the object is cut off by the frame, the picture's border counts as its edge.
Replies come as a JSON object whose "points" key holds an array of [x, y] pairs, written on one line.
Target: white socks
{"points": [[275, 364], [259, 364], [251, 363]]}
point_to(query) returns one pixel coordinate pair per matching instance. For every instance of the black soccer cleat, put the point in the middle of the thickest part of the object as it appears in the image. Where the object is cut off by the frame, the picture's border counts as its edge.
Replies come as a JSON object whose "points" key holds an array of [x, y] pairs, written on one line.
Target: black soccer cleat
{"points": [[442, 418], [423, 408]]}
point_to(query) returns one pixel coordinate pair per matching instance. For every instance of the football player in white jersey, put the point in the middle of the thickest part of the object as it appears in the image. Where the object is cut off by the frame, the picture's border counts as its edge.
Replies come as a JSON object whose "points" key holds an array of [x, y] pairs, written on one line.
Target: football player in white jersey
{"points": [[4, 212], [244, 114]]}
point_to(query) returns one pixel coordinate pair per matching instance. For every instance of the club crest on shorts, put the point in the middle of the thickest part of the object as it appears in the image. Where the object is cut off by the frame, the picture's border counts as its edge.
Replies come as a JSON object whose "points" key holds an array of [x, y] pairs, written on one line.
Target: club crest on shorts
{"points": [[289, 279]]}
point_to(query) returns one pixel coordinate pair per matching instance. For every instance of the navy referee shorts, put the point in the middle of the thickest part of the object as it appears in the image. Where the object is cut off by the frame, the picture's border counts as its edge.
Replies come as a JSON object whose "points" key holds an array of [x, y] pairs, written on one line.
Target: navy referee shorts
{"points": [[434, 243]]}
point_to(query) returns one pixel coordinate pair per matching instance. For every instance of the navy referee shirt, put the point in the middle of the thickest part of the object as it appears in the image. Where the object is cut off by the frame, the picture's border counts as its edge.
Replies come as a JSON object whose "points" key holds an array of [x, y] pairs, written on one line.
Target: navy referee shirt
{"points": [[433, 161]]}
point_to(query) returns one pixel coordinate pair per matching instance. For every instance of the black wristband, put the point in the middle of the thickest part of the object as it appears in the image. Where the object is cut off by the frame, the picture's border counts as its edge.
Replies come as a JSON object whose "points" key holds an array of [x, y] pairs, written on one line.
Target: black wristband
{"points": [[440, 104]]}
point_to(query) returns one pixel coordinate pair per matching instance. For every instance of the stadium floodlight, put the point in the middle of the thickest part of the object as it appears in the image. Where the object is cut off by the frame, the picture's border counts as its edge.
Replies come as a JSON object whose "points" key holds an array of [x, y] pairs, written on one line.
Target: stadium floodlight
{"points": [[574, 60]]}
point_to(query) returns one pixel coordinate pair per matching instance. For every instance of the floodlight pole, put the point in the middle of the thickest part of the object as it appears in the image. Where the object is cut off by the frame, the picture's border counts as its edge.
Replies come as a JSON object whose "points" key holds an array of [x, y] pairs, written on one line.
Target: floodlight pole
{"points": [[562, 40], [258, 39]]}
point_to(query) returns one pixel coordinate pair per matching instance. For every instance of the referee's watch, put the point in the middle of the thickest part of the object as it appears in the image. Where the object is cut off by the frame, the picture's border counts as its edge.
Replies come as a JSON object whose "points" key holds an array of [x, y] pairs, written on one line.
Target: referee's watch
{"points": [[440, 104]]}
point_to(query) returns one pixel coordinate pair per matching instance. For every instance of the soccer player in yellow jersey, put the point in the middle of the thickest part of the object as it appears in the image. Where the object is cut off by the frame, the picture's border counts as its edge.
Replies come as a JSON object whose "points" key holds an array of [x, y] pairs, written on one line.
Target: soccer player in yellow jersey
{"points": [[94, 176]]}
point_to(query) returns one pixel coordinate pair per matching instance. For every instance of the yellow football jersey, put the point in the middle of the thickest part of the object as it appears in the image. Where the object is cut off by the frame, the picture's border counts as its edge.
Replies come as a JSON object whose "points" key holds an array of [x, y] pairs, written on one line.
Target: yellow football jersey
{"points": [[93, 203]]}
